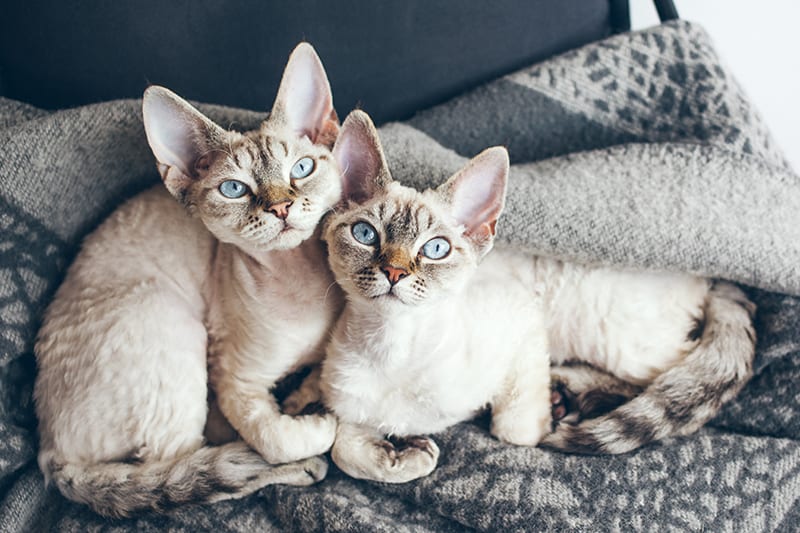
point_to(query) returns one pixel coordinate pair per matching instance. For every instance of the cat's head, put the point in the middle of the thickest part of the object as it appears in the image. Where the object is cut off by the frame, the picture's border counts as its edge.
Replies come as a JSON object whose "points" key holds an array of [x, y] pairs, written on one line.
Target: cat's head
{"points": [[264, 189], [393, 245]]}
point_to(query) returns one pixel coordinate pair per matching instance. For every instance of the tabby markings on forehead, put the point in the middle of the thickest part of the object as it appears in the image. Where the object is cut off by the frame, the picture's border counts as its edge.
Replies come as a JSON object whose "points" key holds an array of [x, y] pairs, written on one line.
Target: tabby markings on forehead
{"points": [[246, 148], [268, 147], [408, 222]]}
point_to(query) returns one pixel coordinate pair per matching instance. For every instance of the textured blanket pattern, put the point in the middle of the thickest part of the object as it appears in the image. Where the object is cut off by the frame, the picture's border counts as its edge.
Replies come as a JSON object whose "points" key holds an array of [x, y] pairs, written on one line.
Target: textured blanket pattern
{"points": [[640, 150]]}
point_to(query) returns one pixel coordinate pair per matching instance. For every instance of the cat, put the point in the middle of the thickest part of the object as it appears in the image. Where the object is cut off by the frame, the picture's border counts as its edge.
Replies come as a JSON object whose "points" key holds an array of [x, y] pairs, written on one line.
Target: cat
{"points": [[122, 371], [274, 300], [436, 325]]}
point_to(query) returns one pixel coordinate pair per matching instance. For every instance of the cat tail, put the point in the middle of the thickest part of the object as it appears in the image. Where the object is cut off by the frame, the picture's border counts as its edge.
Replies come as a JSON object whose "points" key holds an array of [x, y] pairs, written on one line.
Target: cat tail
{"points": [[683, 398], [209, 474]]}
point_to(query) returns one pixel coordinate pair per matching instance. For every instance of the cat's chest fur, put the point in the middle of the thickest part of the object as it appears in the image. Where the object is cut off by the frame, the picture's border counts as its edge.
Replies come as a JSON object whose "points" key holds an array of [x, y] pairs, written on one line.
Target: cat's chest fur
{"points": [[274, 310], [422, 370], [399, 379]]}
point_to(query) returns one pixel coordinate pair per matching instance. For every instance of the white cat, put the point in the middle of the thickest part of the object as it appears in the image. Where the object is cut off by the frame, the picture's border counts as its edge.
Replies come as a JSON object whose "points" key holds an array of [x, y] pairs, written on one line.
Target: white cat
{"points": [[436, 326], [122, 383]]}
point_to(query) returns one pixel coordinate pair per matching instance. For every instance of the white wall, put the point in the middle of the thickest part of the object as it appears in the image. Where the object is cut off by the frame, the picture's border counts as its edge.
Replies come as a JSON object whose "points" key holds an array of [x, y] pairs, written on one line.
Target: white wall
{"points": [[759, 40]]}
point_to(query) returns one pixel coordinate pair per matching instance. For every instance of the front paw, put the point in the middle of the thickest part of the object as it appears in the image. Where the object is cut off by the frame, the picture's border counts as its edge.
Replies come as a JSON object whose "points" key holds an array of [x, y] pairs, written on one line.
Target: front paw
{"points": [[398, 460], [321, 431], [292, 438], [315, 469], [406, 459]]}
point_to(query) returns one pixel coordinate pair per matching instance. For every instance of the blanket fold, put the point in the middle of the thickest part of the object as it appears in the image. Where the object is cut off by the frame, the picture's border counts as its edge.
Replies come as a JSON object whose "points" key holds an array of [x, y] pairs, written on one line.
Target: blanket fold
{"points": [[636, 151]]}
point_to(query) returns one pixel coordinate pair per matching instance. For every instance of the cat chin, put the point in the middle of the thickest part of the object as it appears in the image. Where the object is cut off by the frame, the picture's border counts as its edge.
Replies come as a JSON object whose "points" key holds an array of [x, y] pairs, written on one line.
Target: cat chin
{"points": [[286, 239], [391, 300]]}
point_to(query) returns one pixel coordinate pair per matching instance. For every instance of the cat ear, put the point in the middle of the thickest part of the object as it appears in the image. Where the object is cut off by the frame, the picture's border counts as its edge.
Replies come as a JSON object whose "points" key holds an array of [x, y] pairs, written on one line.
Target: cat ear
{"points": [[304, 100], [360, 156], [179, 135], [476, 193]]}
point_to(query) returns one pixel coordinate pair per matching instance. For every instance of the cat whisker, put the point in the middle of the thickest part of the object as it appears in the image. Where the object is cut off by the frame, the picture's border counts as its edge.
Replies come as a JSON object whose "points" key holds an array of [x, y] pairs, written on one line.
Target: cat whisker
{"points": [[328, 290]]}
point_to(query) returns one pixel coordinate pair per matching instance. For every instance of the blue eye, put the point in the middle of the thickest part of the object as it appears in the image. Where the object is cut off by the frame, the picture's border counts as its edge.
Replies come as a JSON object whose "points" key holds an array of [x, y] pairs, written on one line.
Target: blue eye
{"points": [[436, 248], [233, 189], [302, 168], [364, 233]]}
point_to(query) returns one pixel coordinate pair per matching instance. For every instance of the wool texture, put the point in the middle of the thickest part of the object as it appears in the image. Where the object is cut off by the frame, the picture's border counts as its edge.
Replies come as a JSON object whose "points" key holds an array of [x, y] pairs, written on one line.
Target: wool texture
{"points": [[640, 150]]}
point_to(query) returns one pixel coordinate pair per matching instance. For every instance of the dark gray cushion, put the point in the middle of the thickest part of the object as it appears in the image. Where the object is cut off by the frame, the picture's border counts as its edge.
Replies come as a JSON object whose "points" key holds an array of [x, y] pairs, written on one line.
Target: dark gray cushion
{"points": [[391, 58]]}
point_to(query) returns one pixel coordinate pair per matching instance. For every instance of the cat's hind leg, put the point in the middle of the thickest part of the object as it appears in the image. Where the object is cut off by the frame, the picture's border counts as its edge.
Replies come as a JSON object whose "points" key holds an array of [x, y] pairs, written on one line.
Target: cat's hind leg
{"points": [[683, 397], [364, 454], [580, 391]]}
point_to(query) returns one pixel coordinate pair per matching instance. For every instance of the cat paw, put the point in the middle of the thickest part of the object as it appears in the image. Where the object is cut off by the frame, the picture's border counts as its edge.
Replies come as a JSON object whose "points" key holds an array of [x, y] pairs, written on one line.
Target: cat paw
{"points": [[315, 469], [568, 407], [562, 403], [398, 447], [322, 432], [292, 438], [406, 459], [300, 473]]}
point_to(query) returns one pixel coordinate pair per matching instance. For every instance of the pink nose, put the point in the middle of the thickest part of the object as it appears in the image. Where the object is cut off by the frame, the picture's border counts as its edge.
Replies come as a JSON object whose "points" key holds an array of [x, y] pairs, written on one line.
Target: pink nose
{"points": [[394, 274], [280, 210]]}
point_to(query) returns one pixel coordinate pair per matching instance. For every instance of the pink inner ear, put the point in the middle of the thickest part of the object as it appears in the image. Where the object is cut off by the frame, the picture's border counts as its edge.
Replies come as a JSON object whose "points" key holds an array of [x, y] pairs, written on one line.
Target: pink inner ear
{"points": [[305, 96], [175, 130], [357, 166], [360, 157], [473, 198], [478, 193], [307, 106]]}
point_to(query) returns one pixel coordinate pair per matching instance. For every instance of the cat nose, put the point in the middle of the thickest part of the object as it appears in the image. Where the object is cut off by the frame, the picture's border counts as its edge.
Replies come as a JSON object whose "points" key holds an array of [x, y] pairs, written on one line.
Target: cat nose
{"points": [[280, 210], [394, 274]]}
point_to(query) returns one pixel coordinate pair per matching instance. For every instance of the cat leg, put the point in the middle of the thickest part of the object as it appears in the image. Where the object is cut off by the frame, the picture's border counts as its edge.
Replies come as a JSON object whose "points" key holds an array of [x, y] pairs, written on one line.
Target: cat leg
{"points": [[280, 438], [362, 453], [581, 391], [307, 394], [521, 413]]}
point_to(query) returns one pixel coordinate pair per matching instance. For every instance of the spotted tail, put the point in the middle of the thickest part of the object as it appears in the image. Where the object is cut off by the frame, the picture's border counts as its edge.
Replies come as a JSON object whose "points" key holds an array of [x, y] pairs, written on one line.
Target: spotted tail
{"points": [[683, 398], [209, 474]]}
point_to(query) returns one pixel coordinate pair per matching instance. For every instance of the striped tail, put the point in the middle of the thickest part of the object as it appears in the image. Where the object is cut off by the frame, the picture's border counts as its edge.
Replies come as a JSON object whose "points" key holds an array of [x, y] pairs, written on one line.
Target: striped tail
{"points": [[683, 398], [209, 474]]}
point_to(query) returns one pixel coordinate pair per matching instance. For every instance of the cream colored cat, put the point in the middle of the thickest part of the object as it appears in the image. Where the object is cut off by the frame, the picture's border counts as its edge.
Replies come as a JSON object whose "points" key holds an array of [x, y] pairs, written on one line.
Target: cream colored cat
{"points": [[122, 383], [436, 326]]}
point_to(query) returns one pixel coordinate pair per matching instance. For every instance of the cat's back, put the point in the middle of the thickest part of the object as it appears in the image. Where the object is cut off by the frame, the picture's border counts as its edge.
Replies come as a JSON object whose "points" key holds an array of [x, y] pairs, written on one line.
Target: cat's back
{"points": [[633, 323], [148, 245], [149, 235], [128, 313], [504, 294]]}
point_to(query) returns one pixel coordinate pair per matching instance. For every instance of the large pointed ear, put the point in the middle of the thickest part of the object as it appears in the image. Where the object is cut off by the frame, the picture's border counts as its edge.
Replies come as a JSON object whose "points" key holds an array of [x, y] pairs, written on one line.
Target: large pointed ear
{"points": [[476, 193], [304, 100], [180, 136], [360, 156]]}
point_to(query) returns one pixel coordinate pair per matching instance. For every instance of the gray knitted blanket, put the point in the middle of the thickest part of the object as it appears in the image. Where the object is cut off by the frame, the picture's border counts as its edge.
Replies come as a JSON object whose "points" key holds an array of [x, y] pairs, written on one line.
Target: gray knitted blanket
{"points": [[637, 150]]}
